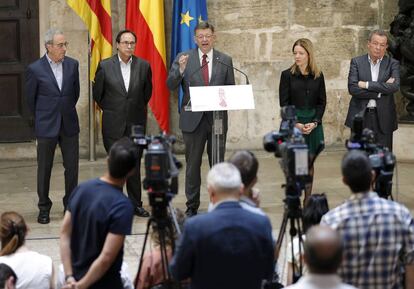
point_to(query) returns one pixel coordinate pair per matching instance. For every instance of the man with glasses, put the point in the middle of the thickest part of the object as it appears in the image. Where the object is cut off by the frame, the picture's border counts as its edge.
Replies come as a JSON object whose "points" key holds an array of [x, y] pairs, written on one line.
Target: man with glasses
{"points": [[122, 89], [202, 66], [52, 91], [372, 81]]}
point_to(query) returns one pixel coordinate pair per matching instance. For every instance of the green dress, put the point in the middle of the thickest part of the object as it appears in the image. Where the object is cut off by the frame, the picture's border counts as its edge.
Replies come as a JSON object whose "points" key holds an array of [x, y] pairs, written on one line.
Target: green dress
{"points": [[316, 137]]}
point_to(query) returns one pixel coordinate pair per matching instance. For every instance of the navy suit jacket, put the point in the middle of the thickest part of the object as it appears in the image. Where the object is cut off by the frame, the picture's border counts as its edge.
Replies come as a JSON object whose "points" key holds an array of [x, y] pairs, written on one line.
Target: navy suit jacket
{"points": [[229, 247], [360, 70], [53, 108]]}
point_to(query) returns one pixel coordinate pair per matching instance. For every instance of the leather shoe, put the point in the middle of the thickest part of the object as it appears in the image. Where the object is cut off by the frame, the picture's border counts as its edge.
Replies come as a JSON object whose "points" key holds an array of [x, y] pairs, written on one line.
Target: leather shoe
{"points": [[190, 212], [43, 217], [141, 212]]}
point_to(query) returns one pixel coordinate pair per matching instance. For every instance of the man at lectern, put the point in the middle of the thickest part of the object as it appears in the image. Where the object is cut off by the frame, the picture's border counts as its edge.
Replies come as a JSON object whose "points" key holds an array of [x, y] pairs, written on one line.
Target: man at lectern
{"points": [[201, 66]]}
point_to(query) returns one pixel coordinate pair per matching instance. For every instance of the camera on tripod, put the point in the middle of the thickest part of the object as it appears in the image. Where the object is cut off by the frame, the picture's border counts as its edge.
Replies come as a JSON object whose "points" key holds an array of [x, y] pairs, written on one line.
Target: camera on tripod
{"points": [[161, 168], [289, 145], [382, 160]]}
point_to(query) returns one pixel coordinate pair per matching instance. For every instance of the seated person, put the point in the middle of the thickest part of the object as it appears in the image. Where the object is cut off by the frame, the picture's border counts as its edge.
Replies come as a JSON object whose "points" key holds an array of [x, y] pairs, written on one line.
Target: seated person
{"points": [[38, 272], [151, 269], [8, 278], [247, 164], [315, 208]]}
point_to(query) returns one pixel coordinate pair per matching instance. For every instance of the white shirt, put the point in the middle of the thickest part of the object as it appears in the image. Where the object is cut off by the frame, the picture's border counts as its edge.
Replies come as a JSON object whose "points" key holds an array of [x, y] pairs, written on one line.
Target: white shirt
{"points": [[209, 59], [126, 71], [57, 69], [33, 270], [319, 281], [375, 67]]}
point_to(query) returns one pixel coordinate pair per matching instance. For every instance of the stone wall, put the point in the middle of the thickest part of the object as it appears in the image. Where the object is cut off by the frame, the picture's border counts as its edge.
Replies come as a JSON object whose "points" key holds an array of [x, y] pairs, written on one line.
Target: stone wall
{"points": [[258, 34]]}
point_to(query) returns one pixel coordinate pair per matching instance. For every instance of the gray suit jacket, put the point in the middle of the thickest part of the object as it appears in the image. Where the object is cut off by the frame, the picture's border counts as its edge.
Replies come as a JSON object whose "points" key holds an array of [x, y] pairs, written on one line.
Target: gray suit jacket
{"points": [[122, 108], [360, 70], [192, 76]]}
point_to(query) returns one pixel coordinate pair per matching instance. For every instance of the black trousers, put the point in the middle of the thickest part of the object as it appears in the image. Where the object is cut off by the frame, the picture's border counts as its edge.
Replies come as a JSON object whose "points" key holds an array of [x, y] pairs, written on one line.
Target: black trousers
{"points": [[69, 146], [194, 149], [371, 122], [133, 184]]}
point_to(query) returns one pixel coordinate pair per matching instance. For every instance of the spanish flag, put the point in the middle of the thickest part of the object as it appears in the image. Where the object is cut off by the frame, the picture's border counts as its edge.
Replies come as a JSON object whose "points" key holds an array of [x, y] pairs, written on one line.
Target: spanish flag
{"points": [[146, 19], [96, 14]]}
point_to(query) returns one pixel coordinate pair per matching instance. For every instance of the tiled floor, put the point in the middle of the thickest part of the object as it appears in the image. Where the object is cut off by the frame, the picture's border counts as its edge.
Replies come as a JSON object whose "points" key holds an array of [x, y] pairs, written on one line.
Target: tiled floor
{"points": [[18, 192]]}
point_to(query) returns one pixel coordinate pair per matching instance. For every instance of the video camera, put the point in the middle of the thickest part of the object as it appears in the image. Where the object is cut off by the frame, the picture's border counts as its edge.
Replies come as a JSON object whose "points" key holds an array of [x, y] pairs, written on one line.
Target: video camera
{"points": [[161, 168], [289, 145], [382, 160]]}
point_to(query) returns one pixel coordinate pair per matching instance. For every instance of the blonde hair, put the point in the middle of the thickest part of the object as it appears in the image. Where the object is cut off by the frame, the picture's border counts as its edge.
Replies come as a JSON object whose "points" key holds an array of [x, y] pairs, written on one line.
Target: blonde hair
{"points": [[13, 231], [312, 68]]}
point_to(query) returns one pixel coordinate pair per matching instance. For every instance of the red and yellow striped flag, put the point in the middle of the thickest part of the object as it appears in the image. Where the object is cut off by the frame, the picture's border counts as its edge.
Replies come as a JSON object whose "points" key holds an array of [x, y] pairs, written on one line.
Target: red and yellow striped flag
{"points": [[146, 19], [96, 14]]}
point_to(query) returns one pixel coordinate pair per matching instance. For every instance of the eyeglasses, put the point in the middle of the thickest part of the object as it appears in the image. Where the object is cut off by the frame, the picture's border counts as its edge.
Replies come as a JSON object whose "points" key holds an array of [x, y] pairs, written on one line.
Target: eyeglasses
{"points": [[60, 45], [127, 43], [207, 36]]}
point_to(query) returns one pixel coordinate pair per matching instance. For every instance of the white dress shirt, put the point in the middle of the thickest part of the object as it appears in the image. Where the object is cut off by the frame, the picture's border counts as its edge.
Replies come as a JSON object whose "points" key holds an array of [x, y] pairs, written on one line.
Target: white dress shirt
{"points": [[57, 69], [320, 281], [126, 71], [375, 67]]}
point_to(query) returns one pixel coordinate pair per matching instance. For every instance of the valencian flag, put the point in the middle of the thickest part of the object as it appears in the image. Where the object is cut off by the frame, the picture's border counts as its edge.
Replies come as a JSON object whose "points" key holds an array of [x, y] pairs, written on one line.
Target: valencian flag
{"points": [[96, 14], [146, 19], [186, 15]]}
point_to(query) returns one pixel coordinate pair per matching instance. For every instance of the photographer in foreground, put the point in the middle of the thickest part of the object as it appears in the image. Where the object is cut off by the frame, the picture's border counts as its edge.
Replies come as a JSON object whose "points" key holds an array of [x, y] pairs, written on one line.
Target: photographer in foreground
{"points": [[378, 234], [99, 216]]}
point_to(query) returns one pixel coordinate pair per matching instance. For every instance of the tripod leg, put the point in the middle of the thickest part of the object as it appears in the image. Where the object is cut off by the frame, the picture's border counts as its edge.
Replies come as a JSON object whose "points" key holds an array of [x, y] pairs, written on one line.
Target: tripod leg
{"points": [[282, 231], [142, 252]]}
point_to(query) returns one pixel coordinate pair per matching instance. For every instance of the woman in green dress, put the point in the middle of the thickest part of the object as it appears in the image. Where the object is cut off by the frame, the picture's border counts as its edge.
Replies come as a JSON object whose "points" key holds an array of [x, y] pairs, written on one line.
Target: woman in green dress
{"points": [[303, 86]]}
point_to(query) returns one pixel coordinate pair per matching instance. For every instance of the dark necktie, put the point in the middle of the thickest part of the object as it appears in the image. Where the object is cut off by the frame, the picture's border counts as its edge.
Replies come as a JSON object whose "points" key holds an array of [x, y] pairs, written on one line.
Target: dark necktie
{"points": [[204, 70]]}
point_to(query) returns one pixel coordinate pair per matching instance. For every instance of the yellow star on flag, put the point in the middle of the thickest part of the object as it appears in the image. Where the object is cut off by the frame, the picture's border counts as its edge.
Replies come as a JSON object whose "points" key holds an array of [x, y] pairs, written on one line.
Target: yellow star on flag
{"points": [[200, 19], [186, 18]]}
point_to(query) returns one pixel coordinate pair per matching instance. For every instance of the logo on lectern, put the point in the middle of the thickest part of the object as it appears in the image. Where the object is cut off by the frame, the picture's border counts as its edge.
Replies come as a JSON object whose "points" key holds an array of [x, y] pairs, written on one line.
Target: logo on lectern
{"points": [[222, 98]]}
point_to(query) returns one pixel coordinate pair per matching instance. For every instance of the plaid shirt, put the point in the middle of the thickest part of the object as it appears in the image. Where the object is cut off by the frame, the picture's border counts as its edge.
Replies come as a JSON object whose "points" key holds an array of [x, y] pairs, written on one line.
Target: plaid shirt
{"points": [[378, 238]]}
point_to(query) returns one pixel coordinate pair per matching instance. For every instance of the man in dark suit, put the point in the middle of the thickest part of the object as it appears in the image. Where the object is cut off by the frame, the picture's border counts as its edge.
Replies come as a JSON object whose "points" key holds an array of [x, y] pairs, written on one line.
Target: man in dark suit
{"points": [[122, 89], [199, 67], [52, 91], [372, 81], [228, 247]]}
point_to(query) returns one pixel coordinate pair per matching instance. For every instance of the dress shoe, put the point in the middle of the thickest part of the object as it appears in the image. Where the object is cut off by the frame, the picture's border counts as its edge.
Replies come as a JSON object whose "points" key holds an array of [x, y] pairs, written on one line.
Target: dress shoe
{"points": [[190, 212], [43, 217], [141, 212]]}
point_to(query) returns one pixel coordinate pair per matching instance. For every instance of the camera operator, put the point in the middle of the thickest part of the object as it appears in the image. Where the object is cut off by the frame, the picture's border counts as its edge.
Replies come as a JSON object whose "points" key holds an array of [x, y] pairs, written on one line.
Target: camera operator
{"points": [[99, 216], [378, 234], [228, 247]]}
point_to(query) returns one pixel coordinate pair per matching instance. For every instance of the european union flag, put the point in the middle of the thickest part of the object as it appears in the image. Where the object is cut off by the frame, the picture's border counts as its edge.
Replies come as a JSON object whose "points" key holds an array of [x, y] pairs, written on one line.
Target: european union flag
{"points": [[186, 15]]}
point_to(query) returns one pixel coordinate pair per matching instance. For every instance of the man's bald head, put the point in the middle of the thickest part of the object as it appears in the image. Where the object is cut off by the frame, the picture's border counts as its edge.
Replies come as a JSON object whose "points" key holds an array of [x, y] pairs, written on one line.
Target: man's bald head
{"points": [[323, 250]]}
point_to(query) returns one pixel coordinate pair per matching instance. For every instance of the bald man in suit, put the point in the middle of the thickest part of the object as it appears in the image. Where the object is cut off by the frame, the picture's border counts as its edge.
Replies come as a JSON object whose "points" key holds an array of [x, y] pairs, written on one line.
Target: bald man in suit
{"points": [[202, 66]]}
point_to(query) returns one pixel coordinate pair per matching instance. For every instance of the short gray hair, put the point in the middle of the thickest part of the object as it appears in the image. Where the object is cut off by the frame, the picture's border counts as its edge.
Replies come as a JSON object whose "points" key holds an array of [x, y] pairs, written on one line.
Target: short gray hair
{"points": [[224, 177], [50, 34], [378, 32]]}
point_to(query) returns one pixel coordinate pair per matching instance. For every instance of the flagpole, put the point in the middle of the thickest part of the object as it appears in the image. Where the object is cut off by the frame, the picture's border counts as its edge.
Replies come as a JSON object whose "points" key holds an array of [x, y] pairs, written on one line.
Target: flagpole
{"points": [[92, 148]]}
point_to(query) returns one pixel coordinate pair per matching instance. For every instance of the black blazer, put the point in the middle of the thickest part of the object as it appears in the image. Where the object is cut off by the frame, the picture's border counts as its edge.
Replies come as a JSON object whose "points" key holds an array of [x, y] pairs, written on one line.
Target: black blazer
{"points": [[221, 75], [53, 108], [360, 70], [303, 92], [121, 108]]}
